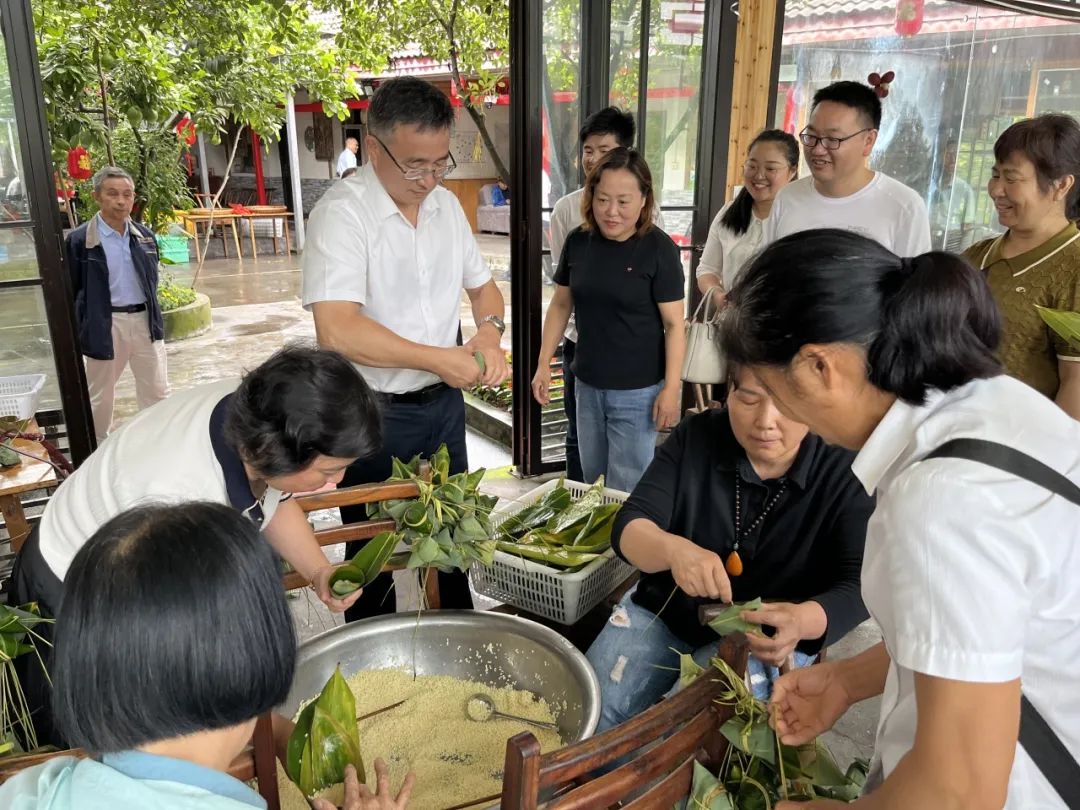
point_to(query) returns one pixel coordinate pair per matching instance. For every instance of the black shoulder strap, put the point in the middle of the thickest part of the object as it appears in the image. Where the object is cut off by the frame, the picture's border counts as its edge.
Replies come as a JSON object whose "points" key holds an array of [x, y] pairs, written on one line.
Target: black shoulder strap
{"points": [[1044, 747]]}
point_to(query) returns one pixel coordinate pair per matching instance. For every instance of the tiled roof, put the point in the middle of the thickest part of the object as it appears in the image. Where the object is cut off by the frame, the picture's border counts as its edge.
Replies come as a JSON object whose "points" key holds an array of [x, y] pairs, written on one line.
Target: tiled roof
{"points": [[822, 8]]}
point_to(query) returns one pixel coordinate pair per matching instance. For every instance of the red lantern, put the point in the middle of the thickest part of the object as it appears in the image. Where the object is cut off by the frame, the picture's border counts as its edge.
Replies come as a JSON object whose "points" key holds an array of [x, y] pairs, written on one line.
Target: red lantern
{"points": [[78, 163], [185, 131], [909, 17]]}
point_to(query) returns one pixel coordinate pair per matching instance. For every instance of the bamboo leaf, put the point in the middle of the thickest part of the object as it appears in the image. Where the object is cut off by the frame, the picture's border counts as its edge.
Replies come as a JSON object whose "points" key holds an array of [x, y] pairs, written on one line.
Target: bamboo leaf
{"points": [[1065, 323], [731, 621], [706, 792], [365, 565], [332, 738]]}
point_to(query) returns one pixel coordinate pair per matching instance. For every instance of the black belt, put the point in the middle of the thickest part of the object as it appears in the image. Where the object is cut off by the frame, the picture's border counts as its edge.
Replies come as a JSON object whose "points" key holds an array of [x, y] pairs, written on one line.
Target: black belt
{"points": [[130, 308], [421, 397]]}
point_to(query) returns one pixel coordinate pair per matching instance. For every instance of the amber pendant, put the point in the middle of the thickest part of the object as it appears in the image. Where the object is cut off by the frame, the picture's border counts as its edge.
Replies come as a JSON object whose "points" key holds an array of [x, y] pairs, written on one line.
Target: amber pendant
{"points": [[733, 565]]}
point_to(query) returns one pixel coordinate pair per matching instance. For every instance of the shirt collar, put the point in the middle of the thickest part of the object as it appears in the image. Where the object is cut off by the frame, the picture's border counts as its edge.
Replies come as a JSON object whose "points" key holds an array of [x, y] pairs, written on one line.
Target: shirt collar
{"points": [[892, 439], [733, 456], [237, 485], [105, 230], [1033, 255], [154, 768], [385, 207]]}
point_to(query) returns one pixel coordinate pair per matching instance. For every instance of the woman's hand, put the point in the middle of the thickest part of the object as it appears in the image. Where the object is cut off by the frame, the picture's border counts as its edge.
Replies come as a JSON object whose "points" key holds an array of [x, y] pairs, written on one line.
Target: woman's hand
{"points": [[667, 407], [783, 616], [542, 382], [358, 797], [698, 571], [719, 297], [320, 583], [808, 702]]}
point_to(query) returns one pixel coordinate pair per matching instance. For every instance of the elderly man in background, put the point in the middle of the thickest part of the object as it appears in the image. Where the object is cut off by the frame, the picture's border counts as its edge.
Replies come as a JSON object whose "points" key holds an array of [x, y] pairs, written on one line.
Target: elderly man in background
{"points": [[113, 263], [347, 159]]}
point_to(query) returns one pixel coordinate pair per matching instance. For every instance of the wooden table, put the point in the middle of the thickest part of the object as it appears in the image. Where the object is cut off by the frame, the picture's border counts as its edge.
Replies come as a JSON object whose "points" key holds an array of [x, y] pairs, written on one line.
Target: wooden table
{"points": [[33, 473], [284, 215], [210, 217]]}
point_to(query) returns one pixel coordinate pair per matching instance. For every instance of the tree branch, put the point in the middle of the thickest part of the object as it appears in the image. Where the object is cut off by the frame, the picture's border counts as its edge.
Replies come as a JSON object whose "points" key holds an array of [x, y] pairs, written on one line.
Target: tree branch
{"points": [[104, 106], [214, 204]]}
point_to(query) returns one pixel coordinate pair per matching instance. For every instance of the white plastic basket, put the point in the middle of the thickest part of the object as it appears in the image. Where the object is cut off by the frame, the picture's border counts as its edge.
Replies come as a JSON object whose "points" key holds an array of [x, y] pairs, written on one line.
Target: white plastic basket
{"points": [[19, 395], [545, 591]]}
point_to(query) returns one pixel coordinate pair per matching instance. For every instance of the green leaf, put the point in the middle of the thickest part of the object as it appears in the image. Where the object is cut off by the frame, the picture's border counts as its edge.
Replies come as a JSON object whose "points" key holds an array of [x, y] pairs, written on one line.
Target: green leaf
{"points": [[730, 620], [1065, 323], [707, 793], [297, 742], [579, 509], [365, 565], [754, 738], [332, 738]]}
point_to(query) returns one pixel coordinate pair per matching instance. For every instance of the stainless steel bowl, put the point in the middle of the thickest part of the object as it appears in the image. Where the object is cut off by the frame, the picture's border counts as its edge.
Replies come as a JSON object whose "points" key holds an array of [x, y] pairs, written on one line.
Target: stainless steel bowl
{"points": [[490, 648]]}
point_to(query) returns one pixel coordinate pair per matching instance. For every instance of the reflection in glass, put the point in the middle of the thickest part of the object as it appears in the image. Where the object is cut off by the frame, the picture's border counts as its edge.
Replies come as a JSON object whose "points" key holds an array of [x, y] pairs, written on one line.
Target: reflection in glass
{"points": [[625, 66], [963, 74], [18, 257], [562, 100], [25, 347], [14, 204], [671, 112]]}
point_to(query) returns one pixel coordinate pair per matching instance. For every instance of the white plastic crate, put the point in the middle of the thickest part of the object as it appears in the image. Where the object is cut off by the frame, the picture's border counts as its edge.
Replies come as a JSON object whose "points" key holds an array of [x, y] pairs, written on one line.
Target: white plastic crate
{"points": [[545, 591], [19, 395]]}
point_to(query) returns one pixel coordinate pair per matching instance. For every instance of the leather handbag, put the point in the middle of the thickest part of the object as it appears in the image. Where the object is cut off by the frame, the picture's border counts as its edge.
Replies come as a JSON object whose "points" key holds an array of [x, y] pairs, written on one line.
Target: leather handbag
{"points": [[704, 362]]}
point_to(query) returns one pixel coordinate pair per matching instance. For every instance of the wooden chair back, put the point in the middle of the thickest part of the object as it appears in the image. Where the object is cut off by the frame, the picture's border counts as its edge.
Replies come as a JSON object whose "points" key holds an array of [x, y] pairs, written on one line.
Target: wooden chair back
{"points": [[662, 744]]}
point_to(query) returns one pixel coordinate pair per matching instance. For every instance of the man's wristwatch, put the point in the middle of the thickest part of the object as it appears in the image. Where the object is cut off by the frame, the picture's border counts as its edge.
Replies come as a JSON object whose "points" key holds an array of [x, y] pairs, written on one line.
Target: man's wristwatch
{"points": [[495, 321]]}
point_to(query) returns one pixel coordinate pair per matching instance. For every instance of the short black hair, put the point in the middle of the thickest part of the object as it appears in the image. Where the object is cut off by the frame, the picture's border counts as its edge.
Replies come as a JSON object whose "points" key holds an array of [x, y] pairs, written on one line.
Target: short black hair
{"points": [[1052, 143], [609, 121], [856, 95], [926, 323], [174, 621], [408, 100], [302, 403]]}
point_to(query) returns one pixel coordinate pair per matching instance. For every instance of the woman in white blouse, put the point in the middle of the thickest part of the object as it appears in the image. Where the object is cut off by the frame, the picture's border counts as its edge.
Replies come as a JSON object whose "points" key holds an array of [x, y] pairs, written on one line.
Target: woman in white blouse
{"points": [[736, 233], [972, 551]]}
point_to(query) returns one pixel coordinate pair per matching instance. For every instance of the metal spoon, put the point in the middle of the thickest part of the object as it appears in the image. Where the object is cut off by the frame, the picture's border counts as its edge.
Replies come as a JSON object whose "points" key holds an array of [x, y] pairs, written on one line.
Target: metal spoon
{"points": [[486, 710]]}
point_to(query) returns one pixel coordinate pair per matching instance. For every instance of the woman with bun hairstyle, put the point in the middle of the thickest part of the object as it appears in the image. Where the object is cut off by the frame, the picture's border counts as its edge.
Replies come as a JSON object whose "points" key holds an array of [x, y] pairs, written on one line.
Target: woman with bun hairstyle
{"points": [[967, 561]]}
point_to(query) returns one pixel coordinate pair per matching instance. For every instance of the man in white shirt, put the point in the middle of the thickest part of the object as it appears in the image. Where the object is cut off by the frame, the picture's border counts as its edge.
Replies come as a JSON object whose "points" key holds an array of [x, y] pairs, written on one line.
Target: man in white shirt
{"points": [[842, 191], [952, 206], [387, 257], [602, 131], [347, 159]]}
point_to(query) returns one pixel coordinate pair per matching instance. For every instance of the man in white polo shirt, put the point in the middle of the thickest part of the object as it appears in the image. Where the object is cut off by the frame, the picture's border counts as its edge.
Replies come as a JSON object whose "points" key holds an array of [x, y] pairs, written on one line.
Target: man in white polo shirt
{"points": [[842, 191], [387, 257]]}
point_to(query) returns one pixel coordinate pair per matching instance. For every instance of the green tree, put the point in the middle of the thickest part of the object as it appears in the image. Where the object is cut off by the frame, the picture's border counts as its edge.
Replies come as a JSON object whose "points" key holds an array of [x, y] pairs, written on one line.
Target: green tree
{"points": [[124, 69], [470, 36]]}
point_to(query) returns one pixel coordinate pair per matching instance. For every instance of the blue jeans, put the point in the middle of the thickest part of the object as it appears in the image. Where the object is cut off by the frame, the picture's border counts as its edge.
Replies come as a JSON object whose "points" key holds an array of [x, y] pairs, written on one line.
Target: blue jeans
{"points": [[636, 659], [616, 433]]}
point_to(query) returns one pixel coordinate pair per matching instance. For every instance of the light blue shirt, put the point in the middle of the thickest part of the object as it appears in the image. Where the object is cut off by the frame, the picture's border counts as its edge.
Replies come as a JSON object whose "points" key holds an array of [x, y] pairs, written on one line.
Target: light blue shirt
{"points": [[124, 287], [131, 780], [346, 160]]}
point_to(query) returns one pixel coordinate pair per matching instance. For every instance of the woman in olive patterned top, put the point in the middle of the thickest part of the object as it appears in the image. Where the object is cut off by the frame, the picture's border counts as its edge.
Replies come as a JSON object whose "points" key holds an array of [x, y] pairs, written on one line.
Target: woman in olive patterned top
{"points": [[1036, 190]]}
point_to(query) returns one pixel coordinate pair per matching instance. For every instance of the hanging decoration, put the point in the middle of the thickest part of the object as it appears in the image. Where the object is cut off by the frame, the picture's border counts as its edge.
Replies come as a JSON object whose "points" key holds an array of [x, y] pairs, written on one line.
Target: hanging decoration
{"points": [[880, 82], [185, 130], [78, 164], [909, 17]]}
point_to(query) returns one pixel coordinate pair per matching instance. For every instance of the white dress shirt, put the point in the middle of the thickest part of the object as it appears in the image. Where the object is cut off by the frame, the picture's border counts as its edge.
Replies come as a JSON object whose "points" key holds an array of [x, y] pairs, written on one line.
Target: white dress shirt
{"points": [[884, 210], [726, 253], [346, 160], [565, 216], [361, 248], [971, 572]]}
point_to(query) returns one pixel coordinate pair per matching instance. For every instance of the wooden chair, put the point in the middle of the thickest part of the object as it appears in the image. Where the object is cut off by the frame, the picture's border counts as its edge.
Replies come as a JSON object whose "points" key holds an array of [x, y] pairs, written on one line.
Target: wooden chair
{"points": [[662, 743]]}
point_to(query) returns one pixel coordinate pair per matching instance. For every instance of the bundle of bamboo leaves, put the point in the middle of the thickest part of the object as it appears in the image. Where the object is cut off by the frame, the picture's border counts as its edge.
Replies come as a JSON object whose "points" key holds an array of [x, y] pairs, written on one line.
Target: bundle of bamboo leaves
{"points": [[560, 531], [758, 770], [447, 527], [17, 637]]}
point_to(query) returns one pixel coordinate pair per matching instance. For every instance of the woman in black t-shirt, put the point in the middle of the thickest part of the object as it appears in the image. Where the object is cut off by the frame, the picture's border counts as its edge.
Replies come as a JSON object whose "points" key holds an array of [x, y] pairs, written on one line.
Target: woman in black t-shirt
{"points": [[624, 281]]}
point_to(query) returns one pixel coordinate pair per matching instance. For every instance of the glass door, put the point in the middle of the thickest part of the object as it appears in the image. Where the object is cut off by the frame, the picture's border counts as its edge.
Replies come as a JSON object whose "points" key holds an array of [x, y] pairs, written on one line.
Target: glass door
{"points": [[570, 58]]}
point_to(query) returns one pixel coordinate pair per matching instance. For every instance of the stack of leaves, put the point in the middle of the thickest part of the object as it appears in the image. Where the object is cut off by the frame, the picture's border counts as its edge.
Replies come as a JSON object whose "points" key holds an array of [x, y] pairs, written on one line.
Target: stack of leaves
{"points": [[758, 770], [326, 739], [448, 527], [17, 637], [560, 531]]}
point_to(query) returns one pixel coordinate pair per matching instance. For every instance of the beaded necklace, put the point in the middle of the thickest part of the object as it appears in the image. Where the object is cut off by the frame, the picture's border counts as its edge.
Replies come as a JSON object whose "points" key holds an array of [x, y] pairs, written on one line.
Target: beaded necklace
{"points": [[733, 564]]}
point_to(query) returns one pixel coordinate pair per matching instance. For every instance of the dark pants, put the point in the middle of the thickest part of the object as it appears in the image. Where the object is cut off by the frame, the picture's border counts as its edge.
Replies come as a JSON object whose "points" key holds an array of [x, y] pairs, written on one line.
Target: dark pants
{"points": [[573, 458], [33, 581], [409, 430]]}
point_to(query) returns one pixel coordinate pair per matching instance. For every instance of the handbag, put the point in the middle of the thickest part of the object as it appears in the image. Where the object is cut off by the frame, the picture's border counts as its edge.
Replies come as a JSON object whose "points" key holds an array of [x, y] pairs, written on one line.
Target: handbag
{"points": [[704, 362], [1042, 744]]}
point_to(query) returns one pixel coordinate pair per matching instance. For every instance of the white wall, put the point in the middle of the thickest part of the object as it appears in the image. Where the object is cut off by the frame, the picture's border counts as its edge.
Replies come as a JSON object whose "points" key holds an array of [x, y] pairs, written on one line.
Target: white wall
{"points": [[463, 142]]}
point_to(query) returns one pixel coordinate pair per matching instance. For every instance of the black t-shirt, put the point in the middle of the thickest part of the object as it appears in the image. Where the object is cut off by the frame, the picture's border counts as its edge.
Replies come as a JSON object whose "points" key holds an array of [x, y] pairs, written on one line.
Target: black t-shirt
{"points": [[616, 287], [809, 546]]}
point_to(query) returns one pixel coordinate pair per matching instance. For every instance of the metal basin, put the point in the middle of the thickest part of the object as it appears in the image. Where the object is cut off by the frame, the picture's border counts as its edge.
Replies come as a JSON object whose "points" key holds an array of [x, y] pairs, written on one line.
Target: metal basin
{"points": [[490, 648]]}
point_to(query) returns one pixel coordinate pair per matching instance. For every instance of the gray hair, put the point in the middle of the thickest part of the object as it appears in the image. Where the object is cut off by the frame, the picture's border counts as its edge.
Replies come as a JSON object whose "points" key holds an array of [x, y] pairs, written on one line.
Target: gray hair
{"points": [[108, 173], [408, 100]]}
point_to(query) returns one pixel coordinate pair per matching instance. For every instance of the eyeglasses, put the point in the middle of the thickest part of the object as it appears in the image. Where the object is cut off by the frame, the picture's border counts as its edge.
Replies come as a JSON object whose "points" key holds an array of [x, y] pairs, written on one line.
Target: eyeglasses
{"points": [[770, 171], [412, 175], [832, 144]]}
